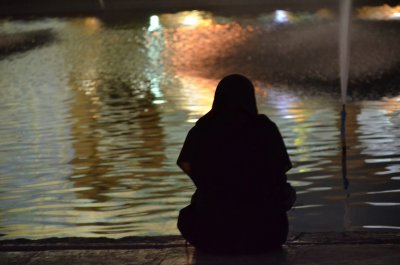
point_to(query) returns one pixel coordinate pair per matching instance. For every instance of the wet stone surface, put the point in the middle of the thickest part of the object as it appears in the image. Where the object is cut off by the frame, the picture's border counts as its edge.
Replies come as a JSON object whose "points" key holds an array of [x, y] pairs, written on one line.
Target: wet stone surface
{"points": [[312, 254], [302, 248]]}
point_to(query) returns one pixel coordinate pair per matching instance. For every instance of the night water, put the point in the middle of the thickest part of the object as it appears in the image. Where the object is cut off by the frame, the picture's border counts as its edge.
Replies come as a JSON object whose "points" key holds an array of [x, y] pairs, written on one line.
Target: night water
{"points": [[94, 112]]}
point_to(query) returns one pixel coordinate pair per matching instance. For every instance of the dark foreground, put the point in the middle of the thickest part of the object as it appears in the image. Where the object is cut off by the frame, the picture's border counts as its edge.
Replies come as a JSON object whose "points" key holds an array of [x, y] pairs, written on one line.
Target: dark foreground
{"points": [[79, 7], [303, 248]]}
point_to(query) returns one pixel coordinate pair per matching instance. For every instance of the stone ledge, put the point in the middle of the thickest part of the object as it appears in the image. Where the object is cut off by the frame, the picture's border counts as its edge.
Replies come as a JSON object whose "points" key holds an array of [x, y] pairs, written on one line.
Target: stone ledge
{"points": [[161, 242]]}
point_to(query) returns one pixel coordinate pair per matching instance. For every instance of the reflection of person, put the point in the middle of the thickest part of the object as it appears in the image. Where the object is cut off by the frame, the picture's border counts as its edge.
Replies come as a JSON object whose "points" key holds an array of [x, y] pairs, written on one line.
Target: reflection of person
{"points": [[237, 160]]}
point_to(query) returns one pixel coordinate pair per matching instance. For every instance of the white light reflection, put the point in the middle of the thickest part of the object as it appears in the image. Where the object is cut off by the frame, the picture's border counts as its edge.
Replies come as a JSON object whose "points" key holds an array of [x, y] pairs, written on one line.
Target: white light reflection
{"points": [[381, 227], [381, 160], [155, 87], [392, 169], [383, 191], [383, 203], [281, 16], [319, 188], [155, 47], [154, 24], [319, 177], [308, 206], [192, 120], [300, 183]]}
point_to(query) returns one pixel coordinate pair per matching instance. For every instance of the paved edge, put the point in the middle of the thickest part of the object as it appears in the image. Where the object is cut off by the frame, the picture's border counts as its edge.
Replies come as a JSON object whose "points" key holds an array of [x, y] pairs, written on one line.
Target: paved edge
{"points": [[160, 242]]}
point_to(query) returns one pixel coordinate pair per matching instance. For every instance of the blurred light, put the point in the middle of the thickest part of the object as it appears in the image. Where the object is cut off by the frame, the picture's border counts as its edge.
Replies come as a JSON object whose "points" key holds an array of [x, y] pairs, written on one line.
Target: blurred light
{"points": [[396, 15], [324, 13], [383, 203], [307, 206], [381, 227], [154, 23], [92, 24], [192, 120], [159, 101], [198, 93], [190, 20], [383, 191], [155, 87], [281, 16], [383, 12], [185, 19]]}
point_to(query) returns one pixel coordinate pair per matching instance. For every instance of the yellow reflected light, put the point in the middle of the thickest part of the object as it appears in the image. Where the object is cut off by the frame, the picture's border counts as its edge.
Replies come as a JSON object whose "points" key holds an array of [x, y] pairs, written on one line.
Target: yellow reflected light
{"points": [[187, 19], [199, 95], [324, 13], [384, 12], [92, 24], [191, 20], [396, 15], [195, 18]]}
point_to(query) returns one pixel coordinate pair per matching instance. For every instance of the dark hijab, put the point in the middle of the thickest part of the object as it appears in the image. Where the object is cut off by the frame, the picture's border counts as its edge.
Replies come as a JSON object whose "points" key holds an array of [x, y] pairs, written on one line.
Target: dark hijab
{"points": [[234, 95], [232, 132]]}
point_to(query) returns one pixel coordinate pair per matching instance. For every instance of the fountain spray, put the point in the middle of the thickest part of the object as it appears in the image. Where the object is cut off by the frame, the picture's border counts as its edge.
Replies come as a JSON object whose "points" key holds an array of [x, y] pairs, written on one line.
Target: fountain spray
{"points": [[344, 63]]}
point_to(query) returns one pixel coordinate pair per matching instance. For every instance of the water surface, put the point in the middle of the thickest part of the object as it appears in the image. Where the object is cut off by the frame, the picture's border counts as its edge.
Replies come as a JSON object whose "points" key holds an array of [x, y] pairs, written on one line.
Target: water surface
{"points": [[93, 118]]}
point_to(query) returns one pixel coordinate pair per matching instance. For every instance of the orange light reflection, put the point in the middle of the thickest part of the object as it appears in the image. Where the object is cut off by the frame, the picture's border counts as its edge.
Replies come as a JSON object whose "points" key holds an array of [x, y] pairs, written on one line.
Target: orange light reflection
{"points": [[384, 12]]}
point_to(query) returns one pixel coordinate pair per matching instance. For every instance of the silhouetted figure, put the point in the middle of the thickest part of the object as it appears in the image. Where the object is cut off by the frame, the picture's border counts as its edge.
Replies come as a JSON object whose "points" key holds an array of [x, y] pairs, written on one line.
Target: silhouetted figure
{"points": [[237, 159]]}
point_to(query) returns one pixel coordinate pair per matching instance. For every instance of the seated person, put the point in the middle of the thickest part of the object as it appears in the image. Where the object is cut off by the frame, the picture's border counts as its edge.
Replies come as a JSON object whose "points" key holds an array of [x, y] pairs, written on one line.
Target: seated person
{"points": [[238, 162]]}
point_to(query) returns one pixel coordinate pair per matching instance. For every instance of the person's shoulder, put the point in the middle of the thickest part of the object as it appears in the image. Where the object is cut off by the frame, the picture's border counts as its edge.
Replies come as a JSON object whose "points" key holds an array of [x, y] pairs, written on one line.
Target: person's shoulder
{"points": [[263, 119], [265, 124], [194, 129], [199, 127], [204, 122]]}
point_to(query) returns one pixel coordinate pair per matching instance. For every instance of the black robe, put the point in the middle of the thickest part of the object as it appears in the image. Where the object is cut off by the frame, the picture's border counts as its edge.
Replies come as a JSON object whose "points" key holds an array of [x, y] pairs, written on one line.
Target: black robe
{"points": [[238, 165]]}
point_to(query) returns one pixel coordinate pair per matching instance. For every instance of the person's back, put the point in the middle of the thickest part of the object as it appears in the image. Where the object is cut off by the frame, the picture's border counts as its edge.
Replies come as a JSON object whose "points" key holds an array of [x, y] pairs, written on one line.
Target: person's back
{"points": [[238, 162]]}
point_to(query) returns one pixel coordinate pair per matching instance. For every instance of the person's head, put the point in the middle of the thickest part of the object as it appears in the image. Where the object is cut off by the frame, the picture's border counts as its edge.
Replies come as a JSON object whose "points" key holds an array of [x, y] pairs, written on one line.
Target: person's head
{"points": [[235, 93]]}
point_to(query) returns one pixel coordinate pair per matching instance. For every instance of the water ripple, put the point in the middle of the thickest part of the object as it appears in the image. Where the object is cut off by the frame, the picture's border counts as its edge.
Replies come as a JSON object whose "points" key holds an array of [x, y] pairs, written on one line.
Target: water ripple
{"points": [[92, 123]]}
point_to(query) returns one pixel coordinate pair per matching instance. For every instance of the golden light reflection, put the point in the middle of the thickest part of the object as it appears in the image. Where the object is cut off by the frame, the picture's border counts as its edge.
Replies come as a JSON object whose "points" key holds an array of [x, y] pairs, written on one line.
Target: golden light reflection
{"points": [[392, 105], [194, 50], [384, 12], [187, 18], [86, 73], [190, 20], [198, 93], [88, 25], [188, 43], [324, 13]]}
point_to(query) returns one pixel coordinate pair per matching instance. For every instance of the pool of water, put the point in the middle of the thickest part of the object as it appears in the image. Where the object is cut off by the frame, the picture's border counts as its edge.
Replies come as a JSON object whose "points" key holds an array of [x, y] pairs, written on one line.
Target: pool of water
{"points": [[94, 112]]}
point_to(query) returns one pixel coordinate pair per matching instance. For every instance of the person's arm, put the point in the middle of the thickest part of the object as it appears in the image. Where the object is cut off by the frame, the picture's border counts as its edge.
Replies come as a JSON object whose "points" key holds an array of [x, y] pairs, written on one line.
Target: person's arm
{"points": [[280, 149], [186, 156], [288, 193], [185, 166]]}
